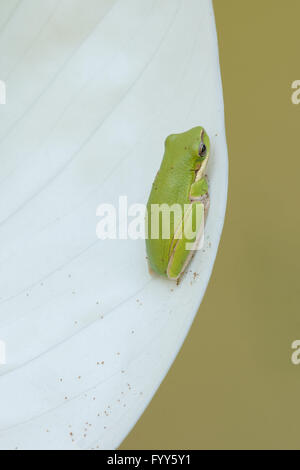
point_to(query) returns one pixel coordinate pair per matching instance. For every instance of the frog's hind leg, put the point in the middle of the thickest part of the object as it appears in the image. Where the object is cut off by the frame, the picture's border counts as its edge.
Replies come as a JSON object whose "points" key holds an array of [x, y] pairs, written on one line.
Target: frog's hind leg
{"points": [[186, 239]]}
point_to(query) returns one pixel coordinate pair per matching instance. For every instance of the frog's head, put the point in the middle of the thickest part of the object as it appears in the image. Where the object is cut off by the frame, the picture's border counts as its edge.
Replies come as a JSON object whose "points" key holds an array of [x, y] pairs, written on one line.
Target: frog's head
{"points": [[202, 148], [193, 144], [197, 142]]}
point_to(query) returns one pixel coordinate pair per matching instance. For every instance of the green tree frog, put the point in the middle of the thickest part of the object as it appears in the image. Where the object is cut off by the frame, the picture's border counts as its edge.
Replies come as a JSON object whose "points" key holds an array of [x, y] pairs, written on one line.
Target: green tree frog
{"points": [[180, 184]]}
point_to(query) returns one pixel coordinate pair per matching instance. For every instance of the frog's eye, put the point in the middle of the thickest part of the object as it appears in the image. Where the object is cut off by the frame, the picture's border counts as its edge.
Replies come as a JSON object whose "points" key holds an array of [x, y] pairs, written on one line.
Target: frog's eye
{"points": [[202, 150]]}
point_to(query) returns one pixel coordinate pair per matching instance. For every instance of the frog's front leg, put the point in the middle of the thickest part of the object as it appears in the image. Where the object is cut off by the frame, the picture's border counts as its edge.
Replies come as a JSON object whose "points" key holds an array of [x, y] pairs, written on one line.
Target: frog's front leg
{"points": [[199, 193]]}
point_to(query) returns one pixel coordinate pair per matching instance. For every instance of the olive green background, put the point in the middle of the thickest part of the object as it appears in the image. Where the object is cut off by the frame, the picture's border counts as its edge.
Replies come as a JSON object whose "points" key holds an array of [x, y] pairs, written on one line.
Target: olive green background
{"points": [[233, 385]]}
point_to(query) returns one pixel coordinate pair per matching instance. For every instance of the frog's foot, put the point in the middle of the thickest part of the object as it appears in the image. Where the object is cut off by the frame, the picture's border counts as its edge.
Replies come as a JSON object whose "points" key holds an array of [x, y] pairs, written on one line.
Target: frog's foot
{"points": [[186, 240], [199, 193], [151, 272]]}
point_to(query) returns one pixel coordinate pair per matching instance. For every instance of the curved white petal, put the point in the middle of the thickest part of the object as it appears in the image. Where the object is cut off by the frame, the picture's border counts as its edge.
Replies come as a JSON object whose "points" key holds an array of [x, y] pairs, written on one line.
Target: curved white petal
{"points": [[93, 89]]}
